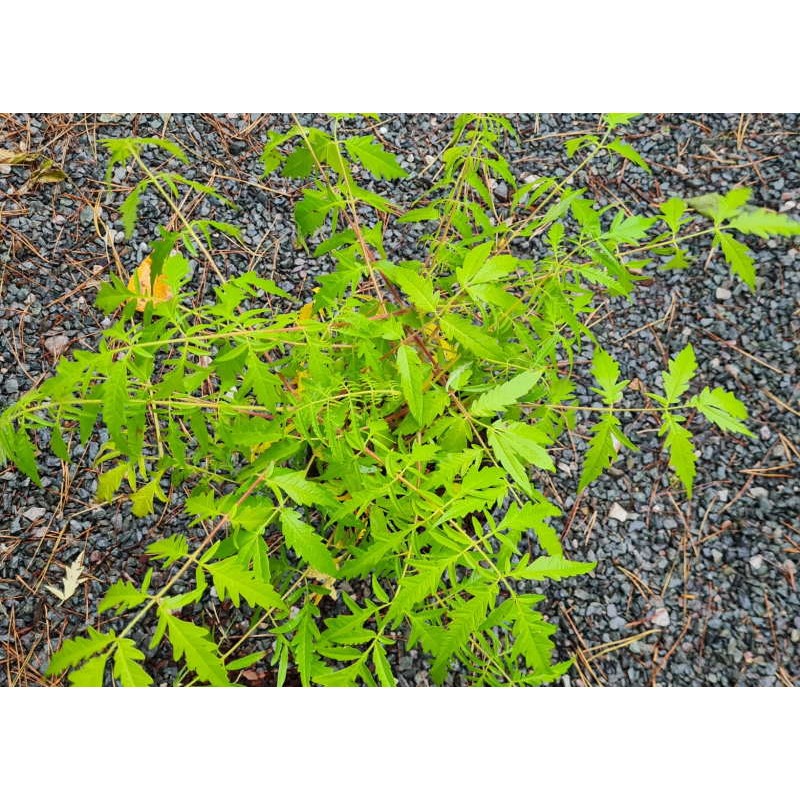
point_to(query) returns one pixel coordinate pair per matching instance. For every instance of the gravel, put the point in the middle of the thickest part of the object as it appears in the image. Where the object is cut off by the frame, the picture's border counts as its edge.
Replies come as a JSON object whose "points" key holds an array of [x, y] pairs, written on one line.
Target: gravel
{"points": [[685, 594]]}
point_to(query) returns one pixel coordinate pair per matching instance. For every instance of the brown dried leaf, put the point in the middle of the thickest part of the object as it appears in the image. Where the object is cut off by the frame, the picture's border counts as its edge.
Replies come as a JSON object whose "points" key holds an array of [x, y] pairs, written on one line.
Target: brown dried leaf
{"points": [[15, 157]]}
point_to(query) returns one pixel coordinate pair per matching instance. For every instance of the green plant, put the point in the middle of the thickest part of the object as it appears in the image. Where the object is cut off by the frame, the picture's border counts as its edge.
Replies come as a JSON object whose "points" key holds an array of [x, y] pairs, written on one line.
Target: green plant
{"points": [[390, 432]]}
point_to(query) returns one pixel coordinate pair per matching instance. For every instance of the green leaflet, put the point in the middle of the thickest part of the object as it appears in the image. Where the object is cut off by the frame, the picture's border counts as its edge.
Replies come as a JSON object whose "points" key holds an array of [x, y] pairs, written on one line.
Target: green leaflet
{"points": [[472, 338], [115, 402], [306, 634], [615, 120], [682, 457], [195, 645], [416, 586], [418, 288], [232, 580], [626, 151], [75, 650], [680, 373], [302, 490], [516, 445], [299, 163], [533, 516], [126, 667], [383, 669], [57, 443], [553, 568], [607, 436], [90, 674], [531, 633], [374, 158], [128, 209], [306, 542], [504, 395], [143, 498], [412, 378], [123, 594], [673, 211], [22, 453], [723, 409], [765, 223], [606, 372], [478, 268], [310, 213], [738, 258], [420, 214], [245, 661], [171, 549], [109, 482], [628, 230]]}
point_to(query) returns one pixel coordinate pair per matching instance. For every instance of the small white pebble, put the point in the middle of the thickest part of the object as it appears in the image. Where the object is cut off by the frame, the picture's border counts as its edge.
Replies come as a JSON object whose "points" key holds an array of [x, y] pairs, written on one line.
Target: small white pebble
{"points": [[661, 618], [757, 561], [34, 513]]}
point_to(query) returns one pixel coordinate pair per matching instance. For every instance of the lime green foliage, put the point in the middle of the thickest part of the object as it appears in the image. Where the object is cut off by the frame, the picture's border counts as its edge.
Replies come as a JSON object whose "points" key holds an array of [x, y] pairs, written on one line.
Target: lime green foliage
{"points": [[369, 466], [732, 212]]}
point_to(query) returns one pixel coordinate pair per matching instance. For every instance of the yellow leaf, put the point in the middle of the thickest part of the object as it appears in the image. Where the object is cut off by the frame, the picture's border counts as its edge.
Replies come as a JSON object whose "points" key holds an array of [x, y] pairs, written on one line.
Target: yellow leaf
{"points": [[140, 283], [306, 312], [326, 580], [430, 330]]}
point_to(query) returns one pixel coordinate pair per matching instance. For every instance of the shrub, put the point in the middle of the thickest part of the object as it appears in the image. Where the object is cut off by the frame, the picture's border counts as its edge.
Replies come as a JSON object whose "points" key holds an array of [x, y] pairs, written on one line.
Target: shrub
{"points": [[389, 435]]}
